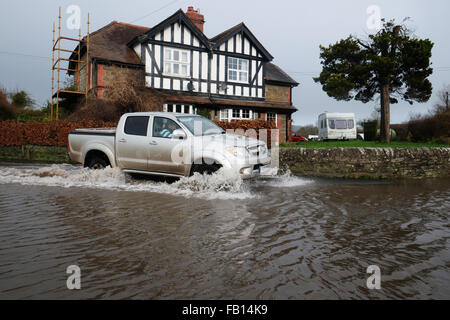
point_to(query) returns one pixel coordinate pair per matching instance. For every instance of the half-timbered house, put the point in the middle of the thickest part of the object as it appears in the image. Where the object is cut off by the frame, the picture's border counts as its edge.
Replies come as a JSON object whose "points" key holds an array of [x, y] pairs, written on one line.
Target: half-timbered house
{"points": [[229, 76]]}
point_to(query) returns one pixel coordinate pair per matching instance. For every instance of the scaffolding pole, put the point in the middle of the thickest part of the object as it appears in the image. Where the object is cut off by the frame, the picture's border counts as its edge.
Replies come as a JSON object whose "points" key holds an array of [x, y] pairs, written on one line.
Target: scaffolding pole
{"points": [[59, 62], [53, 73], [56, 67]]}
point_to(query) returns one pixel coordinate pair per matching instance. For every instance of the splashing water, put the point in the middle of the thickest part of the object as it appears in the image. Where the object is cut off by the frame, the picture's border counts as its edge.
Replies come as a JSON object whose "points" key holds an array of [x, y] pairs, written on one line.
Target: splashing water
{"points": [[221, 185], [224, 184], [285, 179]]}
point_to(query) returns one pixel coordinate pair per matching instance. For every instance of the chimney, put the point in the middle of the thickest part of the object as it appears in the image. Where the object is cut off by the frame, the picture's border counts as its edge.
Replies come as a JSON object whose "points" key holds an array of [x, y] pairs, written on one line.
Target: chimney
{"points": [[197, 18]]}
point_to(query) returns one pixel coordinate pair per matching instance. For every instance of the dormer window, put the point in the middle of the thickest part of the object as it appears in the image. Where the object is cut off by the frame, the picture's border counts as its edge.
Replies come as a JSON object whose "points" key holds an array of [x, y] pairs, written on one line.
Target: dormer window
{"points": [[237, 70], [176, 62]]}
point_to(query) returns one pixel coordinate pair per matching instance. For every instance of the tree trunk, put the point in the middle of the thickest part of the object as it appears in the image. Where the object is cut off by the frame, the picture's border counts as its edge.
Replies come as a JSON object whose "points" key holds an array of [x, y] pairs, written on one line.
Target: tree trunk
{"points": [[385, 128]]}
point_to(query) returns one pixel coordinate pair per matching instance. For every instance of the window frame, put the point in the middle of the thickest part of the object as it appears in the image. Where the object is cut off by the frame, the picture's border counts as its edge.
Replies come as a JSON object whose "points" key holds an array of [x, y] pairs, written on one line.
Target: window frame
{"points": [[341, 121], [237, 70], [185, 108], [274, 120], [134, 134], [240, 114], [168, 119], [224, 111], [180, 62], [348, 124]]}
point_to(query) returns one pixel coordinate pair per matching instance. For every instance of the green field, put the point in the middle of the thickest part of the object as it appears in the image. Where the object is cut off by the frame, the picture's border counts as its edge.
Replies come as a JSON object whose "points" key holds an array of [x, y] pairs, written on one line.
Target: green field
{"points": [[362, 144]]}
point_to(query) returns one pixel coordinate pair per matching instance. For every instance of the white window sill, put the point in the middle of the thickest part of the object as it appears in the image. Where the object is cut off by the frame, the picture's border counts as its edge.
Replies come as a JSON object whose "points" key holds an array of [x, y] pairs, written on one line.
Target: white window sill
{"points": [[235, 81], [177, 75]]}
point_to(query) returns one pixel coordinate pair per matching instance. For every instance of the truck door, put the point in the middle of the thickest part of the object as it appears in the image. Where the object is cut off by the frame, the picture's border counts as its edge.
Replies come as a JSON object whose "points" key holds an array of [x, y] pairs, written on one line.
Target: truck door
{"points": [[132, 143], [162, 145]]}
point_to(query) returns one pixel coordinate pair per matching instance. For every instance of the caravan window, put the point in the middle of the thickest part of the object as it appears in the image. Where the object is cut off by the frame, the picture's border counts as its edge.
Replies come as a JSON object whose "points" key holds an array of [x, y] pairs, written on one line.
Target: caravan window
{"points": [[350, 124], [341, 124], [332, 126]]}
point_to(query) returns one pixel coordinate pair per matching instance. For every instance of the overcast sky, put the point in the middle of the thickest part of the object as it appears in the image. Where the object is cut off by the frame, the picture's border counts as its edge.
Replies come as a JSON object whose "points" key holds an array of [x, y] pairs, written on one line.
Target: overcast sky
{"points": [[290, 30]]}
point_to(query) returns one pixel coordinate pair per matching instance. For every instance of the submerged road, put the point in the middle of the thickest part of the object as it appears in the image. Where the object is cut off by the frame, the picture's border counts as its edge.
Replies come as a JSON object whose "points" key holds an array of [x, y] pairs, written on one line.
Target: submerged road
{"points": [[219, 238]]}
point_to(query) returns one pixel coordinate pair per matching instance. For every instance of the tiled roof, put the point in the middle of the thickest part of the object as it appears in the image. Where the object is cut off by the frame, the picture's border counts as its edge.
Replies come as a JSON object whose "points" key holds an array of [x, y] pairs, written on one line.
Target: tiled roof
{"points": [[275, 74], [110, 43], [226, 33]]}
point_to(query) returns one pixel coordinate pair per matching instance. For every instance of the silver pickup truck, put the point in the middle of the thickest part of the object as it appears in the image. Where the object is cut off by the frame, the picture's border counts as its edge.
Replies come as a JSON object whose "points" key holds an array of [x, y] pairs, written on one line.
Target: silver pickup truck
{"points": [[167, 144]]}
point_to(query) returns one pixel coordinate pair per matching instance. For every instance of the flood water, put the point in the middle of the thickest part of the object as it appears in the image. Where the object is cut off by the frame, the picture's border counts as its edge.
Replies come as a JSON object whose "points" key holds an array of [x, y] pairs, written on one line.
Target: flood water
{"points": [[216, 237]]}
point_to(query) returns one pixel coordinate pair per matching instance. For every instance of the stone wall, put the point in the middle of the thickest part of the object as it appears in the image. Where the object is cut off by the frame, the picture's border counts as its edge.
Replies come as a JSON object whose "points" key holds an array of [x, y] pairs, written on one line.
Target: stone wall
{"points": [[368, 163], [49, 154]]}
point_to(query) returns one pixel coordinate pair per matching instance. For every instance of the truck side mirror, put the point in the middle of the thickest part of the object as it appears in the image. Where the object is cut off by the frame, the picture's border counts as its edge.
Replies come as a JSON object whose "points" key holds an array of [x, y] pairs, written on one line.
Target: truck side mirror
{"points": [[178, 134]]}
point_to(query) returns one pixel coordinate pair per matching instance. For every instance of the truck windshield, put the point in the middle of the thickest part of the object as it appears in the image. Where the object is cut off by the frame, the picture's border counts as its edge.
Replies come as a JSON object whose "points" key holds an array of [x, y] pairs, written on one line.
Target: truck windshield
{"points": [[200, 126]]}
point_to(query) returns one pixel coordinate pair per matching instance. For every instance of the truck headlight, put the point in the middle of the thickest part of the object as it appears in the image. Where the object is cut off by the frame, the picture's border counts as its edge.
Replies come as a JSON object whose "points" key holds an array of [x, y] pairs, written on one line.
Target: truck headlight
{"points": [[237, 151], [263, 149]]}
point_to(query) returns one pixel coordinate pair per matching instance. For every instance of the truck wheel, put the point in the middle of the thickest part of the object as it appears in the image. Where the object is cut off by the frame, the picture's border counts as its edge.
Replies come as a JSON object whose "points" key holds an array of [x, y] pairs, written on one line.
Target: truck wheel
{"points": [[97, 163], [205, 168]]}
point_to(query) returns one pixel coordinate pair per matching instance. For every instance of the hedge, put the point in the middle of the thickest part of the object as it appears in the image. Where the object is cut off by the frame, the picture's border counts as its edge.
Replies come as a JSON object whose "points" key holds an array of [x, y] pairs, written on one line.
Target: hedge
{"points": [[433, 128], [55, 133], [52, 133]]}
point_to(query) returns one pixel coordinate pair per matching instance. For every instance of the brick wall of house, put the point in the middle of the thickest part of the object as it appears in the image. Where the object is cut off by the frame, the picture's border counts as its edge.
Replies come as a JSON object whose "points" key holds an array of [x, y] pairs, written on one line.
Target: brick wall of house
{"points": [[82, 78], [103, 75], [108, 75], [278, 93], [281, 126]]}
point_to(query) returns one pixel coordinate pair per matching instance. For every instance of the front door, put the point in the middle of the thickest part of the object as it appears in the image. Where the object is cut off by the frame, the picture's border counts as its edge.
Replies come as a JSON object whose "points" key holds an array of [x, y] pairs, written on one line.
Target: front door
{"points": [[162, 145], [132, 143]]}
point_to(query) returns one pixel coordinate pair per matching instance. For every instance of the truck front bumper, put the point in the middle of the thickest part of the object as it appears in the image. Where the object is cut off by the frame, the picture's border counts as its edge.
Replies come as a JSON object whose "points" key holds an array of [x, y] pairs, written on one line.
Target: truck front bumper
{"points": [[249, 171]]}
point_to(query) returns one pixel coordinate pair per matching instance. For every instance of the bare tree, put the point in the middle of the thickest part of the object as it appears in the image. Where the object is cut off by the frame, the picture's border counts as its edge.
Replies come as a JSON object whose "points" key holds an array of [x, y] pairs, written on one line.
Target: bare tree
{"points": [[443, 104], [127, 94], [307, 130]]}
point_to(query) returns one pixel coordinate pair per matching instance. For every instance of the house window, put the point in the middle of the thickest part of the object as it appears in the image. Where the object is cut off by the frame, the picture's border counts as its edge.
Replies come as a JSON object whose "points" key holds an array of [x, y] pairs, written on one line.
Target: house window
{"points": [[238, 114], [224, 115], [189, 109], [237, 70], [272, 117], [176, 62]]}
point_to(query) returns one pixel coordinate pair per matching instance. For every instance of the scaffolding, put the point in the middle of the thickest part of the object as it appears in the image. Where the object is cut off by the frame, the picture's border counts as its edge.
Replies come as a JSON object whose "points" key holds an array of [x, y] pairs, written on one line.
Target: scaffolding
{"points": [[57, 53]]}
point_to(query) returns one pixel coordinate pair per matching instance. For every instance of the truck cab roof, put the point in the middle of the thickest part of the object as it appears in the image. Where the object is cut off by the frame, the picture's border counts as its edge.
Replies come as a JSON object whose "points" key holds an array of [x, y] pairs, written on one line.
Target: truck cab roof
{"points": [[160, 114]]}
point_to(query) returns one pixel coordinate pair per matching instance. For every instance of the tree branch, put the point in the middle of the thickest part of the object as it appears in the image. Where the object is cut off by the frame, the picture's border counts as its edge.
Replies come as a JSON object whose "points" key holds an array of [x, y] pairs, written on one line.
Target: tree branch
{"points": [[365, 45]]}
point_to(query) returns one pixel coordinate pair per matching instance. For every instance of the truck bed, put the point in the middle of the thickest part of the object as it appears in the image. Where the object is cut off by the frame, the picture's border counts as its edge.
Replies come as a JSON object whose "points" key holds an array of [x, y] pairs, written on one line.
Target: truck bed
{"points": [[102, 139]]}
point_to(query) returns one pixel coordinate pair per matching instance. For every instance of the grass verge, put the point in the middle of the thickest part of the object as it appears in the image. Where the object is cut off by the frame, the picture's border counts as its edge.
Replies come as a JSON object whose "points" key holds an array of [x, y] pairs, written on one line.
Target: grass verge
{"points": [[362, 144]]}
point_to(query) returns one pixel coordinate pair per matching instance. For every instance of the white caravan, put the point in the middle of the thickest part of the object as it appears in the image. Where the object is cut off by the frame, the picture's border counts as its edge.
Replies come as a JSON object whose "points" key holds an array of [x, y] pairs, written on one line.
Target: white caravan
{"points": [[337, 126]]}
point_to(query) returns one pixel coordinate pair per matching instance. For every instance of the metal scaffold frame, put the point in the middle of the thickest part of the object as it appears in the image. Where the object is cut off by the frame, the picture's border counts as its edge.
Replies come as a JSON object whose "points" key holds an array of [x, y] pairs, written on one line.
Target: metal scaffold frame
{"points": [[56, 67]]}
